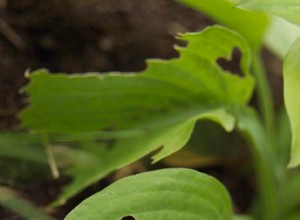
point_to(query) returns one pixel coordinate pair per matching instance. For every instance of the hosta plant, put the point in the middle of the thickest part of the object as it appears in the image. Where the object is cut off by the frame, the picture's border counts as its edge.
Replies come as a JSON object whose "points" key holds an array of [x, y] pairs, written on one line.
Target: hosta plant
{"points": [[117, 118]]}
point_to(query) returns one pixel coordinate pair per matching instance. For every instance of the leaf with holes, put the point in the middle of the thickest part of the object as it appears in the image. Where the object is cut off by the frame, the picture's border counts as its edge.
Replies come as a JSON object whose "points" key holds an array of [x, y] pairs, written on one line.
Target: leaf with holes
{"points": [[136, 114], [291, 74], [168, 194]]}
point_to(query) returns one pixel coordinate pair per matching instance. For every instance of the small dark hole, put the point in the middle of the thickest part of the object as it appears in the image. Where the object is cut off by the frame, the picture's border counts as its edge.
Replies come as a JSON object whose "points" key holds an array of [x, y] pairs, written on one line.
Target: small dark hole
{"points": [[128, 218], [181, 43], [232, 65]]}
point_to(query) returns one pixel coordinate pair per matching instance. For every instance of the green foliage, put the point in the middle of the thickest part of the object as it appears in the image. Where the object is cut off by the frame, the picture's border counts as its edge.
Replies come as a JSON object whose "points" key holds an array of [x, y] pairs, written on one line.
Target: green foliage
{"points": [[268, 169], [167, 194], [139, 113], [117, 119], [289, 9], [292, 98], [224, 12], [291, 198], [280, 36], [206, 87], [276, 33]]}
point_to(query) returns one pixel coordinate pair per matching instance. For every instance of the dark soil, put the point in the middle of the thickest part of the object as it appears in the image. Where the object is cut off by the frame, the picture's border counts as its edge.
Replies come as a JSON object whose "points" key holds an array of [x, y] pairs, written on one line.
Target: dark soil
{"points": [[96, 35]]}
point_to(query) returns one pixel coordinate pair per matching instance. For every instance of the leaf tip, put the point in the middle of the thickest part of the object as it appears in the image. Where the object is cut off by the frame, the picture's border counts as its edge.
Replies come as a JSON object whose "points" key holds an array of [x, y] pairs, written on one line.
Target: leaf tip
{"points": [[27, 73], [58, 202]]}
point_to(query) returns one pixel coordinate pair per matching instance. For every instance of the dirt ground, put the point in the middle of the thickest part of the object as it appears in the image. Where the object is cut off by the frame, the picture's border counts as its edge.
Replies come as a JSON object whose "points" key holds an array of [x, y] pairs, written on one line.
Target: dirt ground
{"points": [[77, 36]]}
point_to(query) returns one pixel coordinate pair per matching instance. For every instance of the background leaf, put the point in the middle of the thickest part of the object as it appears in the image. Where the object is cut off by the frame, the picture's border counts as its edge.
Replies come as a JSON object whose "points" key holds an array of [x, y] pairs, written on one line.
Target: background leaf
{"points": [[291, 73], [224, 12], [289, 10], [276, 33], [280, 36], [165, 194]]}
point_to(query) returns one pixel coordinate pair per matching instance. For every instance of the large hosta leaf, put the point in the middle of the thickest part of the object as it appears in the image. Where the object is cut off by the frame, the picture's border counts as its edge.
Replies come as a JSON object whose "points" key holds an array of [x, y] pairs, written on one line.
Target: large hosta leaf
{"points": [[138, 113], [291, 75], [169, 194], [288, 9]]}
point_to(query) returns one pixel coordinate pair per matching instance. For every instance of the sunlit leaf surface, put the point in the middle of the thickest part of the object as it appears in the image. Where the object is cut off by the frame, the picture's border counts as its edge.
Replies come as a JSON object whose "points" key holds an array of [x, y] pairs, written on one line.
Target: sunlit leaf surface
{"points": [[168, 194]]}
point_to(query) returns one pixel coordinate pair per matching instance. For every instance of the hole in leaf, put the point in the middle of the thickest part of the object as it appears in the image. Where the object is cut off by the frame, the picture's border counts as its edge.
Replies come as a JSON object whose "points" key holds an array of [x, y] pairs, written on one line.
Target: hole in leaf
{"points": [[128, 218], [232, 65]]}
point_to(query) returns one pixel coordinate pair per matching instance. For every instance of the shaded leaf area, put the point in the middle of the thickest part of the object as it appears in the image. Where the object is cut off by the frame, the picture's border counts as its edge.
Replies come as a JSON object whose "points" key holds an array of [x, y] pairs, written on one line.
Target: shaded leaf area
{"points": [[291, 198], [279, 191], [289, 10], [204, 148], [292, 99], [156, 195], [138, 113], [22, 157], [22, 146], [22, 207], [270, 172]]}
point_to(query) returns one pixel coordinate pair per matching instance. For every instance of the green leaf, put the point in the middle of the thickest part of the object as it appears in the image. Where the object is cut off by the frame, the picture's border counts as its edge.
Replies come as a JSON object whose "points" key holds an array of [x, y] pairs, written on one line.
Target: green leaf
{"points": [[168, 194], [291, 195], [138, 113], [288, 9], [276, 33], [291, 74], [284, 137], [169, 91], [269, 171], [98, 161], [224, 12], [280, 36]]}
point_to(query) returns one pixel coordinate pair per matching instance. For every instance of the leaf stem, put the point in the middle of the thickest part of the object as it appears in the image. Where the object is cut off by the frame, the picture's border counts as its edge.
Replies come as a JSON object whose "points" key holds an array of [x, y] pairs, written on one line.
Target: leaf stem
{"points": [[270, 172], [262, 136], [50, 157], [264, 95]]}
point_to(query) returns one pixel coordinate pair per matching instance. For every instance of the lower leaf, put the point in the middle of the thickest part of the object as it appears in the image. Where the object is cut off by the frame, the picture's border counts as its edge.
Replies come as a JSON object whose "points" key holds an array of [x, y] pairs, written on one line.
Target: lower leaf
{"points": [[167, 194]]}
